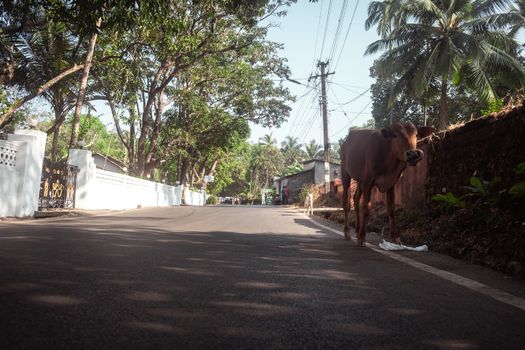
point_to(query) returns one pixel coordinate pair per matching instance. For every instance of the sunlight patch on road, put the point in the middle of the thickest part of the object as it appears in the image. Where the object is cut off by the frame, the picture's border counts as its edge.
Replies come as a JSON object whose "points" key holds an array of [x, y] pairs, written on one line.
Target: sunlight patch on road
{"points": [[259, 285], [452, 344], [178, 313], [18, 286], [189, 271], [290, 295], [254, 309], [57, 300]]}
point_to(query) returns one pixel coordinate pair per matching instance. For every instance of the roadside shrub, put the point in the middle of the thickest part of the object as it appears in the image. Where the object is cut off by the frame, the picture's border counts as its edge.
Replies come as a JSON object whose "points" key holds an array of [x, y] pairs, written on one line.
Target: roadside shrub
{"points": [[212, 200]]}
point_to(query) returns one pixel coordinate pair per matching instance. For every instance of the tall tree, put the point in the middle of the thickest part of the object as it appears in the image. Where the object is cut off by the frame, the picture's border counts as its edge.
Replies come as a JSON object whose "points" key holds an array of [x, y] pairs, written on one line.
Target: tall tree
{"points": [[180, 60], [83, 85], [268, 139], [313, 149], [427, 42], [292, 152]]}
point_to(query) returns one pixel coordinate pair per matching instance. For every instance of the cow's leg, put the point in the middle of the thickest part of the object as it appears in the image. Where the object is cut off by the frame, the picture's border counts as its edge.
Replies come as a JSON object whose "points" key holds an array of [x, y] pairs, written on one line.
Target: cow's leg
{"points": [[346, 205], [357, 199], [361, 236], [390, 205]]}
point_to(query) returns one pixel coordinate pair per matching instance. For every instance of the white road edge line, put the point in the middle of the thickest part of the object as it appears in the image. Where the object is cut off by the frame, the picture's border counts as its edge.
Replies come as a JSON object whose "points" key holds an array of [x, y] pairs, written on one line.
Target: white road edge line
{"points": [[476, 286]]}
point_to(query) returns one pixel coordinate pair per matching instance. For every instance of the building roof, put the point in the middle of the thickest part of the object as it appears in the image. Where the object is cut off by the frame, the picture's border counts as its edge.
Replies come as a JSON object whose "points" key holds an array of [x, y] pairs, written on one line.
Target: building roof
{"points": [[319, 161], [111, 160]]}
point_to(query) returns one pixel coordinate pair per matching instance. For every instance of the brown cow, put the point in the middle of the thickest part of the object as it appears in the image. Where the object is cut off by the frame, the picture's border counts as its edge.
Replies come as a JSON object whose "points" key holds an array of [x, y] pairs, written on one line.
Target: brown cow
{"points": [[377, 158]]}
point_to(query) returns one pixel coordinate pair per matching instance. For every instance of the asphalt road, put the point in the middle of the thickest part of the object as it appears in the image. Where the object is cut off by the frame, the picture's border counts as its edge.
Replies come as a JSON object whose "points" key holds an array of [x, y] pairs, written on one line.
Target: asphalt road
{"points": [[235, 278]]}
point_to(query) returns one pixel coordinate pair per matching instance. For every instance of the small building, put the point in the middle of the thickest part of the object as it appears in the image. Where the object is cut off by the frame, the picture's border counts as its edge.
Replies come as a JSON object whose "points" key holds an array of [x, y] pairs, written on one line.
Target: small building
{"points": [[312, 174], [109, 164]]}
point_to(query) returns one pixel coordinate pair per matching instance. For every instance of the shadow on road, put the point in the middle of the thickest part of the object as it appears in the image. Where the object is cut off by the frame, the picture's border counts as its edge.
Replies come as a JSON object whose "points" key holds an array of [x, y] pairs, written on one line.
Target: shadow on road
{"points": [[113, 286]]}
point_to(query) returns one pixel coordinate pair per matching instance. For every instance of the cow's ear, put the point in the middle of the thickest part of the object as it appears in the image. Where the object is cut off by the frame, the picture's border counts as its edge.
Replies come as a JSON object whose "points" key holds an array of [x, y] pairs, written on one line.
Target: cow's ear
{"points": [[388, 133], [424, 131]]}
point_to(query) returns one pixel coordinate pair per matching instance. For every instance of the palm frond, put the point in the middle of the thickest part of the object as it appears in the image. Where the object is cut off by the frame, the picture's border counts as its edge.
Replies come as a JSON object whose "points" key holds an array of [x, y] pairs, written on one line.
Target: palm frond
{"points": [[481, 8], [475, 77]]}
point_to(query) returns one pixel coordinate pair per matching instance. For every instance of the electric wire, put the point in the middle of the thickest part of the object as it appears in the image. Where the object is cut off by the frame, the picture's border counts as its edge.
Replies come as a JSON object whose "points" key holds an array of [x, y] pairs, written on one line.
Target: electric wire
{"points": [[309, 121], [337, 34], [358, 114], [326, 27], [301, 111], [346, 35]]}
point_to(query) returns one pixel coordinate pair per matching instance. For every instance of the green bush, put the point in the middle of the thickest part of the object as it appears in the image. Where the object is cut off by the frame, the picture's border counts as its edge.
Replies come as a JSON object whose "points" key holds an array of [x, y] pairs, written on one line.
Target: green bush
{"points": [[212, 200]]}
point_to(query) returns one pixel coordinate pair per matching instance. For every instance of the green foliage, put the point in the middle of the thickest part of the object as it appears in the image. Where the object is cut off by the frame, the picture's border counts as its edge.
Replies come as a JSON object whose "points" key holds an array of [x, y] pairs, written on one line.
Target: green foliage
{"points": [[212, 200], [518, 189], [428, 48], [7, 97], [301, 196], [292, 169], [485, 195], [493, 106], [292, 152], [485, 191], [449, 201]]}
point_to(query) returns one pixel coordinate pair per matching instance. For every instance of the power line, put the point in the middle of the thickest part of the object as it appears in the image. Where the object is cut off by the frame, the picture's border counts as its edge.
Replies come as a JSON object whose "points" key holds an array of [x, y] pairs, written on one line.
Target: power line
{"points": [[335, 42], [347, 32], [326, 27], [300, 112], [346, 86], [355, 98], [317, 35], [305, 103], [358, 114]]}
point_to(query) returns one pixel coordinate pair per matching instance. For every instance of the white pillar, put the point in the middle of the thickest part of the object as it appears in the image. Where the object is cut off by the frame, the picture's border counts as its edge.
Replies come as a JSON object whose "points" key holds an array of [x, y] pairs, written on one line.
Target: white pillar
{"points": [[29, 159], [84, 161]]}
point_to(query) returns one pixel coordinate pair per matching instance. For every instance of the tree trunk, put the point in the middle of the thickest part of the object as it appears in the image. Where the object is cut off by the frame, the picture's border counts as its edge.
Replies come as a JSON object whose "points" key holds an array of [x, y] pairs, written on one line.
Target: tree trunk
{"points": [[19, 103], [147, 121], [82, 90], [131, 149], [443, 118], [56, 135]]}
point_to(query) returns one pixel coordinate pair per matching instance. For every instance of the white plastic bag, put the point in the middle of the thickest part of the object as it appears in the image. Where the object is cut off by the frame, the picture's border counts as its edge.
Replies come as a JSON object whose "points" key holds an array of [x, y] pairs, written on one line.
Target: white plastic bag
{"points": [[393, 246]]}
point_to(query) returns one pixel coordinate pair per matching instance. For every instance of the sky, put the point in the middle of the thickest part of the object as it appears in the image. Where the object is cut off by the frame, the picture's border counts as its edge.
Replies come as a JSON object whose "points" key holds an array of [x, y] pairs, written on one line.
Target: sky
{"points": [[303, 31]]}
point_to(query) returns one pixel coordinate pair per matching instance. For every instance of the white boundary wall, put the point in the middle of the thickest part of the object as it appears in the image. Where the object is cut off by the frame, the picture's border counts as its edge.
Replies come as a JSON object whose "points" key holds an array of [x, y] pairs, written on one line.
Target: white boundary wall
{"points": [[21, 158], [99, 189]]}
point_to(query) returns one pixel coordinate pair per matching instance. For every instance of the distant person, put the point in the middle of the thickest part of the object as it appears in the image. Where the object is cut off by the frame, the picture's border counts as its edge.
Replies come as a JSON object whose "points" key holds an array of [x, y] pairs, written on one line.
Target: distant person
{"points": [[285, 197], [309, 204]]}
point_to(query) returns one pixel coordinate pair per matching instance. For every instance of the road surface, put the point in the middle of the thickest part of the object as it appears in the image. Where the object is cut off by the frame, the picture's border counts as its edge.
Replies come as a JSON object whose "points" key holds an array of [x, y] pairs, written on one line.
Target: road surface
{"points": [[238, 277]]}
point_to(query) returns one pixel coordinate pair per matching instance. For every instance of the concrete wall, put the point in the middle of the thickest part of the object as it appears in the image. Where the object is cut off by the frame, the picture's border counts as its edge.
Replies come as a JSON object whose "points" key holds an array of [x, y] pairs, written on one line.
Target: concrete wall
{"points": [[335, 172], [296, 182], [100, 189], [21, 158]]}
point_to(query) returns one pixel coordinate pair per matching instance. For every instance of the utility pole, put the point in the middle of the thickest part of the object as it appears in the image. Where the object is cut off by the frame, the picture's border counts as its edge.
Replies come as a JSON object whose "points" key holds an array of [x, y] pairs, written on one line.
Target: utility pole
{"points": [[324, 111]]}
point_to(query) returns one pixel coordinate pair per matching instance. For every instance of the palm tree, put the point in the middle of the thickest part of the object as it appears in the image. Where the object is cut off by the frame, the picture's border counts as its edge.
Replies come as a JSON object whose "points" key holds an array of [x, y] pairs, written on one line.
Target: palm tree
{"points": [[313, 149], [46, 53], [513, 16], [268, 140], [429, 42], [291, 150]]}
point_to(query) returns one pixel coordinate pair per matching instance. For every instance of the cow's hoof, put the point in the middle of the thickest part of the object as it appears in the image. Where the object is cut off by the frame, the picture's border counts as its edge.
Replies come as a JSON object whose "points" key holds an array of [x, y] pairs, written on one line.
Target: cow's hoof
{"points": [[361, 243]]}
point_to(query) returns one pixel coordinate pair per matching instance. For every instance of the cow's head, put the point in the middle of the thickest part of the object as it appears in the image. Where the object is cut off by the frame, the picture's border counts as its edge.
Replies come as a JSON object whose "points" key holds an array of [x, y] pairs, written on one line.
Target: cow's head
{"points": [[403, 139]]}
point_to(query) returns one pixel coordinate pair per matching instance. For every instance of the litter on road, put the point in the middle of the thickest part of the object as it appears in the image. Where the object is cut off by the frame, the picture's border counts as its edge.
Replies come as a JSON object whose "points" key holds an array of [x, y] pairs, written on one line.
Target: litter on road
{"points": [[393, 246]]}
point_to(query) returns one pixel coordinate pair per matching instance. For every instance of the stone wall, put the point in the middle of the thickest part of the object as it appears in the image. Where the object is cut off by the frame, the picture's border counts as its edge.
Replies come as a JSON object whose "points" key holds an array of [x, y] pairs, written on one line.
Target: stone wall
{"points": [[489, 147]]}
